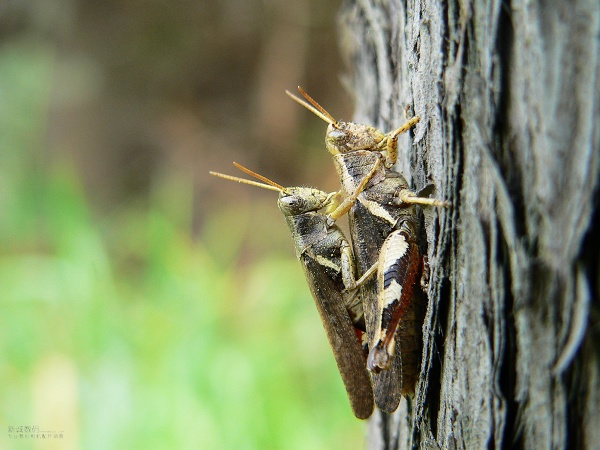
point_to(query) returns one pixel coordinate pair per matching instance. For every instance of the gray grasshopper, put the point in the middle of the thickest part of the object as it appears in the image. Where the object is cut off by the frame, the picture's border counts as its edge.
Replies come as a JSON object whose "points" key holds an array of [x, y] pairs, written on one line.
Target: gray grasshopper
{"points": [[383, 225], [328, 263]]}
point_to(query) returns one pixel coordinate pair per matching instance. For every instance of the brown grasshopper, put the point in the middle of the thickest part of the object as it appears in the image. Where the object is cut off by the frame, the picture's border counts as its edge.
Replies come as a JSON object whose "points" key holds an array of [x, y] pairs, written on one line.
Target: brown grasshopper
{"points": [[328, 263], [383, 225]]}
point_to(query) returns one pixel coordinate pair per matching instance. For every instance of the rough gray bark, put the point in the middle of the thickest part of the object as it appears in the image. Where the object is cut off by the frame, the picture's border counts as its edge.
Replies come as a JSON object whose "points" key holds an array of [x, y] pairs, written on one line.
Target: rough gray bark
{"points": [[508, 93]]}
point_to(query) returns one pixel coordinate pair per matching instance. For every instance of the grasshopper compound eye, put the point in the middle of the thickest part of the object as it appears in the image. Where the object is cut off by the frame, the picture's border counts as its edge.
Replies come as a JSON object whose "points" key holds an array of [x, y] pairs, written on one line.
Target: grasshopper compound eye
{"points": [[337, 134], [292, 204]]}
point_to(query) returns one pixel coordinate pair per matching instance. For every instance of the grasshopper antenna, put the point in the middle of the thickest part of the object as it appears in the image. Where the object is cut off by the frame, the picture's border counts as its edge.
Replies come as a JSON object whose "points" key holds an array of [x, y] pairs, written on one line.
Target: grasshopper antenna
{"points": [[313, 107], [243, 180], [268, 184], [259, 176]]}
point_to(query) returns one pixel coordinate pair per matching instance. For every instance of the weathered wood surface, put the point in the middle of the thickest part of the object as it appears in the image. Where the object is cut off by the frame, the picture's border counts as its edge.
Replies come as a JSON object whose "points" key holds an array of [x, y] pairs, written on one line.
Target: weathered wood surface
{"points": [[509, 95]]}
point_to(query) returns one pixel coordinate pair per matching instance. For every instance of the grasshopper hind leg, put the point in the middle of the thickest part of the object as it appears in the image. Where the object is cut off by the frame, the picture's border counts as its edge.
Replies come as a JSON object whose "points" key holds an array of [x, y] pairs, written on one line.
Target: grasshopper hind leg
{"points": [[398, 324]]}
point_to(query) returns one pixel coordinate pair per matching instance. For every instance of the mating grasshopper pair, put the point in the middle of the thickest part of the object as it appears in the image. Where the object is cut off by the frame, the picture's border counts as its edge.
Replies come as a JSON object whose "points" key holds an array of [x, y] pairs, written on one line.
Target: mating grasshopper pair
{"points": [[383, 226]]}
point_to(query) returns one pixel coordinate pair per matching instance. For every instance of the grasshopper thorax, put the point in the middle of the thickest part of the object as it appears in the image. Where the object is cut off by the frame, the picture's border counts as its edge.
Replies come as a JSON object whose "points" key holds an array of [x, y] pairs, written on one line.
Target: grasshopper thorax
{"points": [[346, 137], [298, 200]]}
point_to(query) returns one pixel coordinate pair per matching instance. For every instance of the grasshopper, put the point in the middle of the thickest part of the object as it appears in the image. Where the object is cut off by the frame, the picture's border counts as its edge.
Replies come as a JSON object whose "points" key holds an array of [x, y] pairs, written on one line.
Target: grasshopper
{"points": [[383, 225], [328, 262]]}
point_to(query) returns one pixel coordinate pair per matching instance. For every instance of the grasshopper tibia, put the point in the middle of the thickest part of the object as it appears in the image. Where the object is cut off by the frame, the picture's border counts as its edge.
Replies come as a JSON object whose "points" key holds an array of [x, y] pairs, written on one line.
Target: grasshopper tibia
{"points": [[407, 196]]}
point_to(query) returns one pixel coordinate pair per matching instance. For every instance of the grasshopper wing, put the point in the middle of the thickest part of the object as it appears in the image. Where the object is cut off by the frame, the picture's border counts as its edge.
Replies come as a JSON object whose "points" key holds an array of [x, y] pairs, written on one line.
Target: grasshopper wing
{"points": [[347, 349]]}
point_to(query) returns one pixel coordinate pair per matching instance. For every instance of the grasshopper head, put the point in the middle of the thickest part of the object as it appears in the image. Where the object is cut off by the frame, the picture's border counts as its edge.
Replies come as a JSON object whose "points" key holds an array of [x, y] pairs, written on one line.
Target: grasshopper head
{"points": [[346, 137], [342, 137], [298, 200]]}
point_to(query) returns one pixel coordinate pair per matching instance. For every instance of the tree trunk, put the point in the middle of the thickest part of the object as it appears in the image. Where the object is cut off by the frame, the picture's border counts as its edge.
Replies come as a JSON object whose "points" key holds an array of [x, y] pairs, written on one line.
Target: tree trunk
{"points": [[508, 94]]}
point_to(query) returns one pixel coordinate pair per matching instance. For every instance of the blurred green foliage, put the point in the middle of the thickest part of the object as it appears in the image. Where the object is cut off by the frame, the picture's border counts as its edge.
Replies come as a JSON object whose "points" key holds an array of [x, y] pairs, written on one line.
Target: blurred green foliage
{"points": [[125, 331]]}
